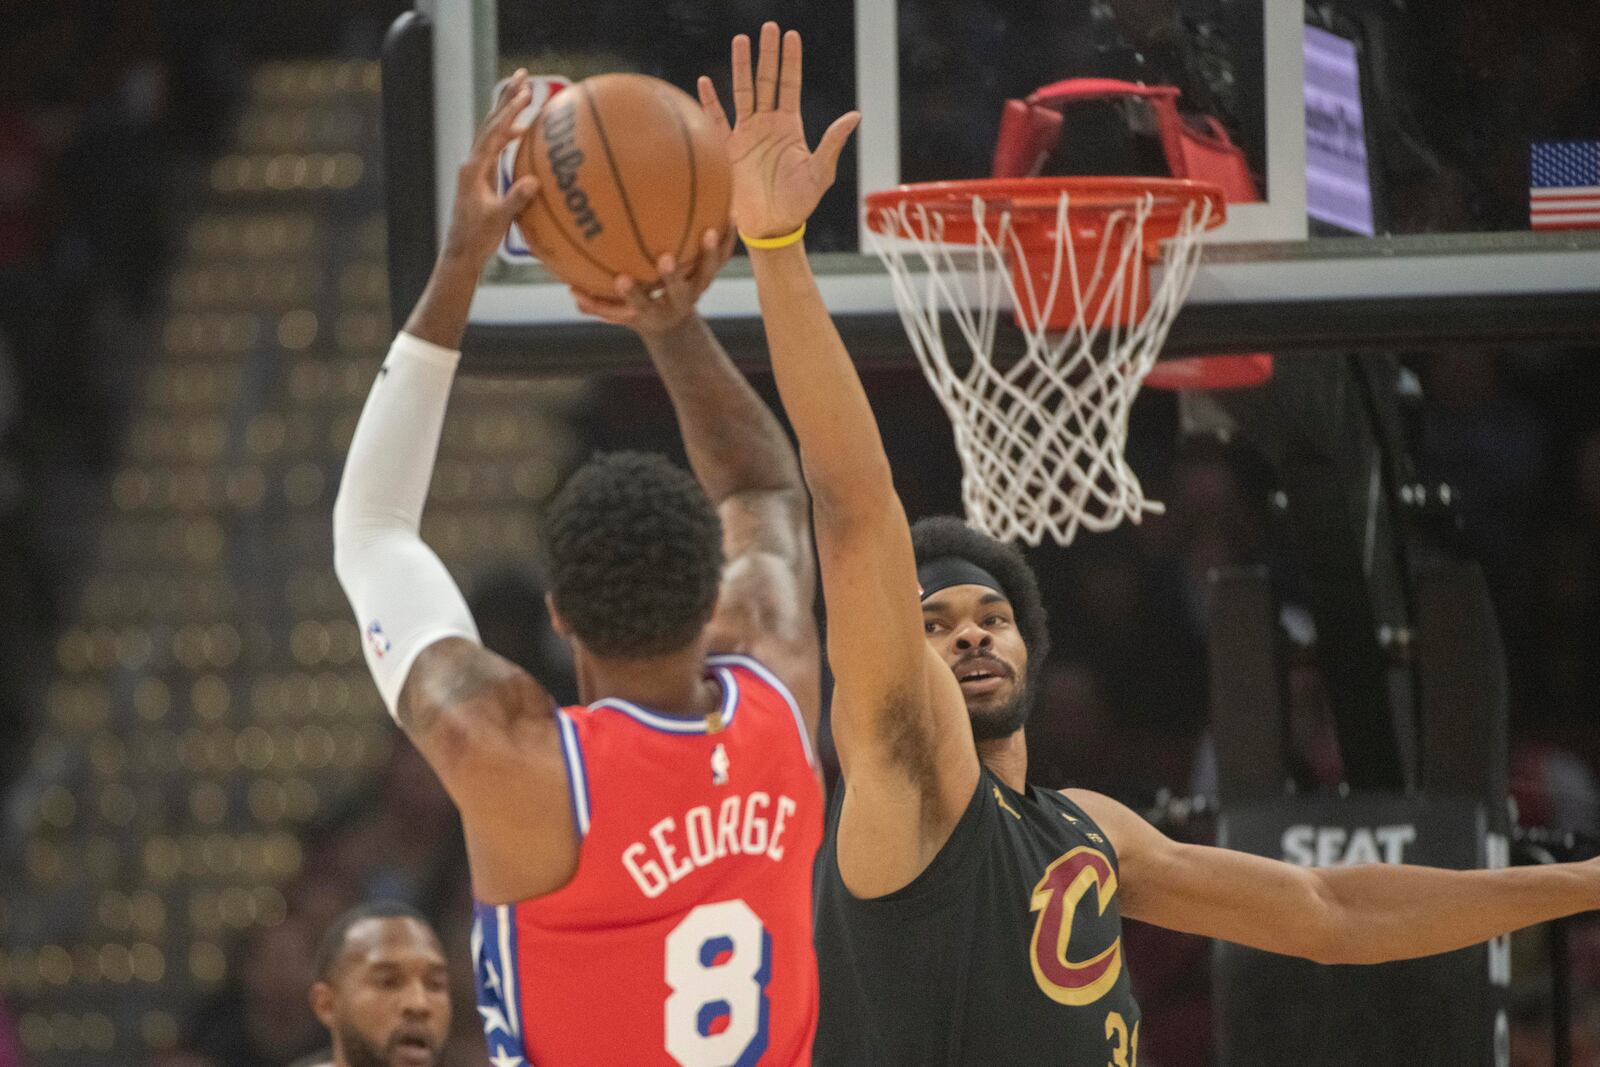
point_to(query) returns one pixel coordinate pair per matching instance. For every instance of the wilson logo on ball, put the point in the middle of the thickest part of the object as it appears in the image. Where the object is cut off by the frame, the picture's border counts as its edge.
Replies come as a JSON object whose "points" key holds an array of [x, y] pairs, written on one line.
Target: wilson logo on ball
{"points": [[629, 169], [565, 158]]}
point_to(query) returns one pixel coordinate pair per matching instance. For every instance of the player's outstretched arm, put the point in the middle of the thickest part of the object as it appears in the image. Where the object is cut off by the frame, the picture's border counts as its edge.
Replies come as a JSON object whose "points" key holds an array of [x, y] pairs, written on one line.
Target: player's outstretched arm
{"points": [[745, 463], [899, 721], [1366, 914], [488, 729]]}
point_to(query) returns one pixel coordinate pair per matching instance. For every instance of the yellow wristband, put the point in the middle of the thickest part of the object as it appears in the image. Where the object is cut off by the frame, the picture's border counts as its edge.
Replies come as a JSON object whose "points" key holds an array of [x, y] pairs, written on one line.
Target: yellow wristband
{"points": [[773, 242]]}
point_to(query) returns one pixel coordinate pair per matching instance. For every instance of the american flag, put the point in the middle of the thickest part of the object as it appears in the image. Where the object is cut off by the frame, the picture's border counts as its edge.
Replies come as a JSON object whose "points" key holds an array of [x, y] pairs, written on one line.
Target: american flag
{"points": [[1565, 188]]}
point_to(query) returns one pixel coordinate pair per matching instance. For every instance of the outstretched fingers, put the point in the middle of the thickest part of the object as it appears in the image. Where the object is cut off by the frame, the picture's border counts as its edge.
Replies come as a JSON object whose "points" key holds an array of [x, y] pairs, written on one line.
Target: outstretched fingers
{"points": [[714, 252], [517, 198], [724, 245], [618, 311], [833, 141], [767, 68], [711, 104], [789, 79], [744, 89], [514, 97], [508, 89], [675, 288], [500, 129]]}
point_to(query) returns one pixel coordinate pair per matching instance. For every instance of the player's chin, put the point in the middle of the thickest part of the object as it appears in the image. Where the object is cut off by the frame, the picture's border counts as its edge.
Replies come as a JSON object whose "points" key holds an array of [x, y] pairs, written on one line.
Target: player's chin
{"points": [[412, 1049], [997, 715]]}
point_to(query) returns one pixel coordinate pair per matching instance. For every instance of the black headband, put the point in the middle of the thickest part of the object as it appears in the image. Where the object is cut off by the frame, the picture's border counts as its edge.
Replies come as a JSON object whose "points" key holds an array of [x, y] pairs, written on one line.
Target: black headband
{"points": [[946, 571]]}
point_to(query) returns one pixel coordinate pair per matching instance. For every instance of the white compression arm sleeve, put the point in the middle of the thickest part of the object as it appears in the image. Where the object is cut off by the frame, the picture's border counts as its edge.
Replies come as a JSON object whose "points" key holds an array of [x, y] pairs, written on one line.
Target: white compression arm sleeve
{"points": [[403, 597]]}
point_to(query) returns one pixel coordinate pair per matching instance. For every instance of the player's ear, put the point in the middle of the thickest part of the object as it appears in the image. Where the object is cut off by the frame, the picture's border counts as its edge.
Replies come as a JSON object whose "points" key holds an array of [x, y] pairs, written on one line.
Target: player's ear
{"points": [[557, 623], [322, 999]]}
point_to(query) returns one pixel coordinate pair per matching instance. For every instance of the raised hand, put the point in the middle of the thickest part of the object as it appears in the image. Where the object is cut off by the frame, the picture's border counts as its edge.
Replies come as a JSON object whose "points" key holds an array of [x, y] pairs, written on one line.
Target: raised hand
{"points": [[478, 221], [777, 180], [482, 215], [661, 310]]}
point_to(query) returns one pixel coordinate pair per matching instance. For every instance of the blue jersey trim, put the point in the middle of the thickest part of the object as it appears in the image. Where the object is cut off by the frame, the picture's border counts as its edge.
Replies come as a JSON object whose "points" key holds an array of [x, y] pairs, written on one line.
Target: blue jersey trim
{"points": [[507, 922], [672, 724], [577, 773], [760, 670], [494, 957]]}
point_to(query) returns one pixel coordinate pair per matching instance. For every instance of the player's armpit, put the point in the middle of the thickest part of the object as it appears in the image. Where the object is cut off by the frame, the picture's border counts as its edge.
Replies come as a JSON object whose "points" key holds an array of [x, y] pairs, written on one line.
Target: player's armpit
{"points": [[490, 733], [910, 774]]}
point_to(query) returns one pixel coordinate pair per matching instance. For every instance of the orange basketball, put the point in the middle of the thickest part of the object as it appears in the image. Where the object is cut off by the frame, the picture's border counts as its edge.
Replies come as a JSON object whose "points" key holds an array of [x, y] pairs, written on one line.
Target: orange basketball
{"points": [[629, 169]]}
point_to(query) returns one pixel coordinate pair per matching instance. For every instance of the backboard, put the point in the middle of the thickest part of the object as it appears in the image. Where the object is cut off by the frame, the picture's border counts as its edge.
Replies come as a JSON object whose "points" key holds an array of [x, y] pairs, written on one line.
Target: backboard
{"points": [[1367, 230]]}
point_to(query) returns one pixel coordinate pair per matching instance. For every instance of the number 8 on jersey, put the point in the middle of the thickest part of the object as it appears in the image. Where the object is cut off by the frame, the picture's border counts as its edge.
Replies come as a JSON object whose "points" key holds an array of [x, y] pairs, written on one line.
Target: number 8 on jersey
{"points": [[719, 963]]}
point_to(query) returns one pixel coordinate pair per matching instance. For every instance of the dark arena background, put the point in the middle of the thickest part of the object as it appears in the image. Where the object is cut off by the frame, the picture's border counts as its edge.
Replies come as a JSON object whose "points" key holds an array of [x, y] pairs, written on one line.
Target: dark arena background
{"points": [[1369, 616]]}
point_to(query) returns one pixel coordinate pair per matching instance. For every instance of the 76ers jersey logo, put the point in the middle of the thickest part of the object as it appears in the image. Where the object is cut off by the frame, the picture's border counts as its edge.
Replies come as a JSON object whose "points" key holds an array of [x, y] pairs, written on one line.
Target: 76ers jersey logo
{"points": [[1065, 883]]}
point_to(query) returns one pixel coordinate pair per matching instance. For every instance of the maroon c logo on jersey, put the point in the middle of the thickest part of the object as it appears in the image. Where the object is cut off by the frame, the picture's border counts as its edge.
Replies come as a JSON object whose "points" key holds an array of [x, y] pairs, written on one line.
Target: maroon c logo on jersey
{"points": [[1055, 898]]}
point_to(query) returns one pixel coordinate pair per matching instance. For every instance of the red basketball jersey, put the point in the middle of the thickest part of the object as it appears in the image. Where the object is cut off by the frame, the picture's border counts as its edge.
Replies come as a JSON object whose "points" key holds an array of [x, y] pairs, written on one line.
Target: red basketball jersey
{"points": [[684, 938]]}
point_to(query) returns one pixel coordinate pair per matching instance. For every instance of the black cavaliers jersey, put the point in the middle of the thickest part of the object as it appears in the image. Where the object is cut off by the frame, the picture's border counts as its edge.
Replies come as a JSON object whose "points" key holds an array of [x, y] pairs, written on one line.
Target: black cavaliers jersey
{"points": [[1006, 950]]}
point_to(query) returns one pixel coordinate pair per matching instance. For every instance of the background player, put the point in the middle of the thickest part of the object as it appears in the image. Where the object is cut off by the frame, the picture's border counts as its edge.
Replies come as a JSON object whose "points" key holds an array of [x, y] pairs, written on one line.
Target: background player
{"points": [[964, 916], [658, 844], [383, 988]]}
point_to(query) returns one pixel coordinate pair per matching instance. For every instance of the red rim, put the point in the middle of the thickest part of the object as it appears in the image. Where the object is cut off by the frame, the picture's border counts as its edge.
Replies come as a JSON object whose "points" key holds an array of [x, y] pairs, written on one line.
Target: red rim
{"points": [[1038, 196]]}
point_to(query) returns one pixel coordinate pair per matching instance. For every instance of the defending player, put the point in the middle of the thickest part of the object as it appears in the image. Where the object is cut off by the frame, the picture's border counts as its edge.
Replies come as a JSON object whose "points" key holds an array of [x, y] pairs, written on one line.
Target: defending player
{"points": [[965, 917], [643, 864]]}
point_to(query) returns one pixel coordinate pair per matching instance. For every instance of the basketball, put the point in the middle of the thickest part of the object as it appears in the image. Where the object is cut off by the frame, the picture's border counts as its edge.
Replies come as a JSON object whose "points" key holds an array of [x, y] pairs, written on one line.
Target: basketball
{"points": [[629, 169]]}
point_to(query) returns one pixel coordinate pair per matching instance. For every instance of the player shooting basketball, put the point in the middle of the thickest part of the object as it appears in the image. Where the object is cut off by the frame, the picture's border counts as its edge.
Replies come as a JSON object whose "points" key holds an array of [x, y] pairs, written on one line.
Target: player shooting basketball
{"points": [[643, 864], [964, 916]]}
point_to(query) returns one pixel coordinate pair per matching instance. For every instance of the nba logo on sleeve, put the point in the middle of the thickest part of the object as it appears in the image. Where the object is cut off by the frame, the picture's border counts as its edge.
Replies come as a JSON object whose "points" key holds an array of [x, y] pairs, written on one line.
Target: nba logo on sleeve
{"points": [[377, 640]]}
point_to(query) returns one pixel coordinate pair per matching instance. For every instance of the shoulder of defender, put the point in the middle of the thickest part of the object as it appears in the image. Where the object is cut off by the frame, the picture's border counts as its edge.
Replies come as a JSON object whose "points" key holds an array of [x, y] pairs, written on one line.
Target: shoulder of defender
{"points": [[1094, 816]]}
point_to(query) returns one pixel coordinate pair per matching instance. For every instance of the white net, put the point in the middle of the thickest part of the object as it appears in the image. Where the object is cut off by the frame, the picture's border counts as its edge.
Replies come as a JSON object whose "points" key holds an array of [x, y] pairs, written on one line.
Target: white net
{"points": [[1042, 439]]}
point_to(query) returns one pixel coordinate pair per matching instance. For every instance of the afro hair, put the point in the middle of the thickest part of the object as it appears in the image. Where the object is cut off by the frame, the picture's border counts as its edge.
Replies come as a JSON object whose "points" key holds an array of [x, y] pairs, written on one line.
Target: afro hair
{"points": [[941, 536], [634, 555]]}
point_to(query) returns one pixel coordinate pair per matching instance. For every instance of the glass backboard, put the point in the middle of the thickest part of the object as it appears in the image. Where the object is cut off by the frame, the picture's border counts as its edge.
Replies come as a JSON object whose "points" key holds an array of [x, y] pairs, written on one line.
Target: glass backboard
{"points": [[1390, 152]]}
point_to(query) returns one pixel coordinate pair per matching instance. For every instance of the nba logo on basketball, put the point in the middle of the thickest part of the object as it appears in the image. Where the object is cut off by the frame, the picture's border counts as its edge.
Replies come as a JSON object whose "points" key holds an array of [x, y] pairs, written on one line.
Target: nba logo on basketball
{"points": [[514, 248]]}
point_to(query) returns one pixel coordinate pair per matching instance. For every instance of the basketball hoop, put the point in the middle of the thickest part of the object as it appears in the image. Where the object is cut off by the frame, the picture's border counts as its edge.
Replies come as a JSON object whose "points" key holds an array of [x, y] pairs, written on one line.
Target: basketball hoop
{"points": [[1041, 440]]}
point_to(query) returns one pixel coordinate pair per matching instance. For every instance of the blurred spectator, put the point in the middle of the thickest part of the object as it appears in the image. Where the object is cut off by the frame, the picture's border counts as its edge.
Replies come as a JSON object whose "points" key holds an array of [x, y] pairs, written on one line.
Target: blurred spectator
{"points": [[382, 987], [1481, 438], [21, 638], [397, 839], [509, 607], [95, 157], [465, 1047], [1071, 735], [10, 1049], [263, 1018], [180, 1058], [1554, 788], [1171, 978], [1314, 755], [1481, 441]]}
